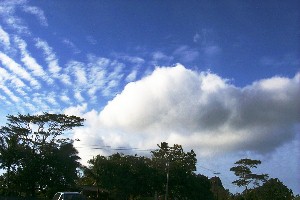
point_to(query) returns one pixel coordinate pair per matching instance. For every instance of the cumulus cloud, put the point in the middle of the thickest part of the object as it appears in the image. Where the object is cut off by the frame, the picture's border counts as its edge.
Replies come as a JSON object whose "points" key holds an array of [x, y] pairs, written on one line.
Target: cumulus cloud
{"points": [[198, 110]]}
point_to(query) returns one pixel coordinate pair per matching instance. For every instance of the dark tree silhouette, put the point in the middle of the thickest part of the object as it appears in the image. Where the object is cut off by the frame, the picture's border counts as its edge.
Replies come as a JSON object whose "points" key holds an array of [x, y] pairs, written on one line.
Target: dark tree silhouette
{"points": [[272, 189], [32, 151], [243, 171]]}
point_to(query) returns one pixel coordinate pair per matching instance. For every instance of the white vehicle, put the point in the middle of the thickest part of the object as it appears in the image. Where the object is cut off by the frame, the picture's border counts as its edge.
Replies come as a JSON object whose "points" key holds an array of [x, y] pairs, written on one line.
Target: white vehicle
{"points": [[68, 196]]}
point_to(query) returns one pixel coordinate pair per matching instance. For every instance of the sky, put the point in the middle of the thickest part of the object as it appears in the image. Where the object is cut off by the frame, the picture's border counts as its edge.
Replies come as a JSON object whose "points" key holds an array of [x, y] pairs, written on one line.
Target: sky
{"points": [[219, 77]]}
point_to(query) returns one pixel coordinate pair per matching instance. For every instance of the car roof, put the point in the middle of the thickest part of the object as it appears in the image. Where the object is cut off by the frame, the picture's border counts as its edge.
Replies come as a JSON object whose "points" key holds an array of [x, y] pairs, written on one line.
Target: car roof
{"points": [[68, 192]]}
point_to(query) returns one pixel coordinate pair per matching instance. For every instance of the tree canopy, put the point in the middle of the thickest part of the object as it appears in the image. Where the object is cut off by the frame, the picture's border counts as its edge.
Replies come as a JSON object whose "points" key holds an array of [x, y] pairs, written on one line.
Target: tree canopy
{"points": [[130, 177], [243, 171], [272, 189], [33, 144]]}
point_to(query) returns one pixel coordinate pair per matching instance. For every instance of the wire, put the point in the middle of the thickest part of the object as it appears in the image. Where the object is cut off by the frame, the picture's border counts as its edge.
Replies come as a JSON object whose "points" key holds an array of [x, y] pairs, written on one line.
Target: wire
{"points": [[107, 147]]}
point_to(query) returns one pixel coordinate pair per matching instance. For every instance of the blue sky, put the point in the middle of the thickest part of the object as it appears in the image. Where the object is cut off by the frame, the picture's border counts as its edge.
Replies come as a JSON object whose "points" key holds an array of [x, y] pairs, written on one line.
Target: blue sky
{"points": [[219, 77]]}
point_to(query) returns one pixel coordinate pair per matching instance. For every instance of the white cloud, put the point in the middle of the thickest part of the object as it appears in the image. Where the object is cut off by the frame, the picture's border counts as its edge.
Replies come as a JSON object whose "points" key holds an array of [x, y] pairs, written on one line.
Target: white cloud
{"points": [[50, 57], [50, 98], [30, 62], [78, 110], [186, 54], [37, 12], [209, 47], [65, 98], [132, 59], [8, 14], [99, 76], [78, 70], [14, 81], [198, 110], [196, 37], [4, 38], [71, 45], [160, 57], [212, 50], [287, 60], [91, 40], [78, 96], [132, 76], [9, 93], [18, 70], [103, 74]]}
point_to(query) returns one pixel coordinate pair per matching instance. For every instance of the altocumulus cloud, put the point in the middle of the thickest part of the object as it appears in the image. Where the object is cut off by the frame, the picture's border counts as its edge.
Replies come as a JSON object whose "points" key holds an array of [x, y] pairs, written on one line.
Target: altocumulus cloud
{"points": [[199, 110]]}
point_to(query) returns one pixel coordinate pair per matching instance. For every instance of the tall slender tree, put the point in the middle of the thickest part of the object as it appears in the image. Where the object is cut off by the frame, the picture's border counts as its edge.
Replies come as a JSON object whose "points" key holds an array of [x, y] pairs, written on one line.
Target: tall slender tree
{"points": [[246, 177], [176, 165]]}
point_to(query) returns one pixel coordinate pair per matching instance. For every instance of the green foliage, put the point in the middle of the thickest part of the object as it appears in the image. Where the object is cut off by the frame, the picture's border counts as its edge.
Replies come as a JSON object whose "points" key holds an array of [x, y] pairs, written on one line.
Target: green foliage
{"points": [[243, 171], [272, 189], [36, 158], [124, 175], [133, 177], [177, 165]]}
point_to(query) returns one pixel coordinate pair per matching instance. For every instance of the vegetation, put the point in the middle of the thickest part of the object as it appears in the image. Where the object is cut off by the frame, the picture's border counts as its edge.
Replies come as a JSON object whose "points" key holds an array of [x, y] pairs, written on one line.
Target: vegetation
{"points": [[272, 189], [243, 171], [38, 161], [133, 177]]}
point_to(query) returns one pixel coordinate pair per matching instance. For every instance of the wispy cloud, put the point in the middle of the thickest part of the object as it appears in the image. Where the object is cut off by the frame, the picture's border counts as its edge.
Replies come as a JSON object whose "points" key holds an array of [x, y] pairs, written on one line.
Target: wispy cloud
{"points": [[4, 38], [208, 44], [186, 54], [50, 57], [9, 93], [65, 98], [8, 13], [77, 69], [159, 57], [71, 45], [14, 81], [37, 12], [36, 69], [132, 76], [196, 37], [78, 96], [132, 59], [287, 60], [18, 70]]}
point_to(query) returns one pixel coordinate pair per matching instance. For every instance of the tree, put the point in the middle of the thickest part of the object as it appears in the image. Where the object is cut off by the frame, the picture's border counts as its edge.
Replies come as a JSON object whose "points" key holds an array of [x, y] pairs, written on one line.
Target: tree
{"points": [[218, 189], [272, 189], [243, 171], [176, 165], [32, 144], [124, 176], [134, 177]]}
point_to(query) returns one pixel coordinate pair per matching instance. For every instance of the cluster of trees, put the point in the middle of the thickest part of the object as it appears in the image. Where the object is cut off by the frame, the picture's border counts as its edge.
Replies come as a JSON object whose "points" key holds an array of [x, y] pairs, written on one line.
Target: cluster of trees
{"points": [[169, 172], [270, 189], [38, 161]]}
